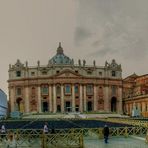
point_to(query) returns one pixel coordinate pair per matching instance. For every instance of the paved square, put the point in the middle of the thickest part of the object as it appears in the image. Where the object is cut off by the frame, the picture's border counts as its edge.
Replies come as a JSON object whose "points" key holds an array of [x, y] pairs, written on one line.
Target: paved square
{"points": [[115, 142]]}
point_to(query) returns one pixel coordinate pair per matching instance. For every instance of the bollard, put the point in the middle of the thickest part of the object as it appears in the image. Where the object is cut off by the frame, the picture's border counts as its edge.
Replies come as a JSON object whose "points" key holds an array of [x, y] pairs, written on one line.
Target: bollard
{"points": [[81, 141], [100, 133], [43, 140], [126, 132]]}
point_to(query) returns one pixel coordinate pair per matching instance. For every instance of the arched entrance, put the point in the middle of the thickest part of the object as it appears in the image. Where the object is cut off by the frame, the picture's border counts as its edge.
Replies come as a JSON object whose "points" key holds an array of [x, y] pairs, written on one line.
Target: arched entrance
{"points": [[68, 106], [44, 106], [113, 104], [89, 106], [20, 105]]}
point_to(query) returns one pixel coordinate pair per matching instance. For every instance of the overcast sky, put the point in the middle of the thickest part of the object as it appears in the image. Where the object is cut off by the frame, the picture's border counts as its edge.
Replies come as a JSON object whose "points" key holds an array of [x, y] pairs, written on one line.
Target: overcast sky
{"points": [[88, 29]]}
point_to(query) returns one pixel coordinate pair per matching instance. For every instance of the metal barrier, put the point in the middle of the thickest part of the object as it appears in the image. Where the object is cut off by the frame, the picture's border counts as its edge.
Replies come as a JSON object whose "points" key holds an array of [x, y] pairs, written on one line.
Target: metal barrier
{"points": [[66, 138], [127, 121]]}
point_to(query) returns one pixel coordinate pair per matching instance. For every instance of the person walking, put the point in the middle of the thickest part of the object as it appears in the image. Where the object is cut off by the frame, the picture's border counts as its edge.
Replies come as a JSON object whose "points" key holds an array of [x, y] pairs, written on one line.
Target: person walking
{"points": [[45, 129], [3, 131], [106, 133], [11, 142]]}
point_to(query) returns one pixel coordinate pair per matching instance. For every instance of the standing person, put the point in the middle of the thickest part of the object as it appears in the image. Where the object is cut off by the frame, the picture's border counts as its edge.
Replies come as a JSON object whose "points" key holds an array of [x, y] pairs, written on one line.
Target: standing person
{"points": [[45, 130], [106, 133], [11, 143], [3, 131]]}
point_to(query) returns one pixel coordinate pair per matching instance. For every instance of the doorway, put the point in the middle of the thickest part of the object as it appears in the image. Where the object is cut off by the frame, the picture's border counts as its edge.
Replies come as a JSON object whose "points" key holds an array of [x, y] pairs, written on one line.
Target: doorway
{"points": [[44, 107], [113, 104], [68, 106], [89, 106]]}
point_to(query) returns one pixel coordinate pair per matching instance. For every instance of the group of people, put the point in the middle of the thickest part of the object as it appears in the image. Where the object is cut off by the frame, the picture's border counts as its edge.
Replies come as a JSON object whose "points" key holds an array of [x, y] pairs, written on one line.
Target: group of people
{"points": [[11, 142], [8, 138]]}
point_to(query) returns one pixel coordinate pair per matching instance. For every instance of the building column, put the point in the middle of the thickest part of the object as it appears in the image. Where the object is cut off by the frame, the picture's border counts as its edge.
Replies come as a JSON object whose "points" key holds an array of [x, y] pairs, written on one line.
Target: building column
{"points": [[39, 99], [27, 99], [106, 99], [95, 98], [120, 100], [81, 98], [50, 98], [85, 99], [12, 99], [62, 99], [143, 106], [73, 98], [54, 99], [131, 107]]}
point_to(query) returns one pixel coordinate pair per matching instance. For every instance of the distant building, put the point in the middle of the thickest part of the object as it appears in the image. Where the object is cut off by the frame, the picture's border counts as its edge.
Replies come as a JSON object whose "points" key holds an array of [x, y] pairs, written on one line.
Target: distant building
{"points": [[135, 94], [62, 86], [3, 104]]}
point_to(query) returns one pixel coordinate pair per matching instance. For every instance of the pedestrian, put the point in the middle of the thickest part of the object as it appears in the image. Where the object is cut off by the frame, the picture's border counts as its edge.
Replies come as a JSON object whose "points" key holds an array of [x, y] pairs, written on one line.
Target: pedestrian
{"points": [[45, 130], [3, 131], [106, 133], [11, 142]]}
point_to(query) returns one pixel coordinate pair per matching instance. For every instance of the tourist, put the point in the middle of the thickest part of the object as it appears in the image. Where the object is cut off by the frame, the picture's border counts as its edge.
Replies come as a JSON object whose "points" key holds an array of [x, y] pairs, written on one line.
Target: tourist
{"points": [[106, 133], [3, 131], [11, 142], [45, 130]]}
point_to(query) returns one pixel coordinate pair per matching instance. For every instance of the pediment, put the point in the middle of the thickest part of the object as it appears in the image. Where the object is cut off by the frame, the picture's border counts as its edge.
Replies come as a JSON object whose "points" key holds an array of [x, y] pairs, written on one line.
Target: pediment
{"points": [[68, 74]]}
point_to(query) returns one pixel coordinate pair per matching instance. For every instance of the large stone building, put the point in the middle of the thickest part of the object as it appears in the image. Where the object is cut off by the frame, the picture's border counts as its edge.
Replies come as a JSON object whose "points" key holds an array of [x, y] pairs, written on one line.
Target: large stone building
{"points": [[62, 86], [135, 94]]}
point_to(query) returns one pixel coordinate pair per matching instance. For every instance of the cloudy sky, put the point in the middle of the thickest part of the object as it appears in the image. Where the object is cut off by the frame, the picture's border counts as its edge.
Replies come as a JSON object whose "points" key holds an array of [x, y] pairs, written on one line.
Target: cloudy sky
{"points": [[88, 29]]}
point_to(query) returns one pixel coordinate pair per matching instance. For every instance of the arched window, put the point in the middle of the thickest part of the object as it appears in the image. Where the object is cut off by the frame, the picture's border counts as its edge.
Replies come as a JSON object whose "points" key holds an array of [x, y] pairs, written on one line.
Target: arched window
{"points": [[89, 89]]}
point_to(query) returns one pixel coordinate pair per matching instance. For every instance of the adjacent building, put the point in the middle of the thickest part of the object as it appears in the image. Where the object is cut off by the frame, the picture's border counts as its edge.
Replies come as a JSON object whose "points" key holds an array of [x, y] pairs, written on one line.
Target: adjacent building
{"points": [[135, 94], [3, 104], [63, 86]]}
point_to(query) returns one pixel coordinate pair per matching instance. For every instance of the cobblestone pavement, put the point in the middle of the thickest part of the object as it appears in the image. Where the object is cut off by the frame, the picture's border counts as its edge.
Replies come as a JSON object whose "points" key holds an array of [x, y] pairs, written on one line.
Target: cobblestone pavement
{"points": [[93, 142], [115, 142]]}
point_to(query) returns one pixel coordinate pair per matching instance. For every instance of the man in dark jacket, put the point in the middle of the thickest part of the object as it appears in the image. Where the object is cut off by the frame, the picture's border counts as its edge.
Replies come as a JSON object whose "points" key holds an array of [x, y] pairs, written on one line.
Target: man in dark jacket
{"points": [[106, 133]]}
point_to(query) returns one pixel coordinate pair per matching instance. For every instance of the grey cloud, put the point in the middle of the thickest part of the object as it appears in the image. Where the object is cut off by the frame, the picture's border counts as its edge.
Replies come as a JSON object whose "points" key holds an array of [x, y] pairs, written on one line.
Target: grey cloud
{"points": [[121, 27], [81, 34]]}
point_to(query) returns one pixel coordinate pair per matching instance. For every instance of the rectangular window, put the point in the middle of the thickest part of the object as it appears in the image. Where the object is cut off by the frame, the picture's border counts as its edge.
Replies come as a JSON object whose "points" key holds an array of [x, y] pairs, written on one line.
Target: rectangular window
{"points": [[76, 89], [44, 89], [18, 91], [100, 73], [67, 89], [89, 89], [113, 73], [113, 90], [18, 73], [32, 73]]}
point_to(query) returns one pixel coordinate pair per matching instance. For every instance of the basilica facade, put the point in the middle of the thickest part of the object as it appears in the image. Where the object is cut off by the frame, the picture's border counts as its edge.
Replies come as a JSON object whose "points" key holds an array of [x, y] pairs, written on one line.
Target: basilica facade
{"points": [[64, 86]]}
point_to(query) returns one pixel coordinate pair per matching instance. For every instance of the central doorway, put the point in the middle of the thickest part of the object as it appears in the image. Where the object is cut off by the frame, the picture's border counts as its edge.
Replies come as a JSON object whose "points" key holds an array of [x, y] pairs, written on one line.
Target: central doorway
{"points": [[68, 106], [44, 106], [113, 104], [89, 106]]}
